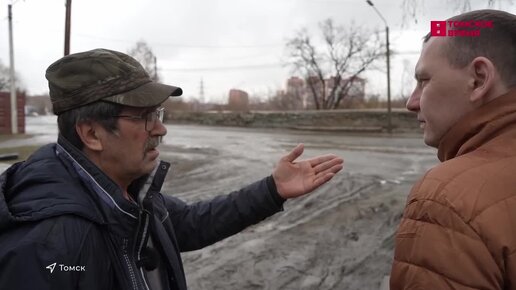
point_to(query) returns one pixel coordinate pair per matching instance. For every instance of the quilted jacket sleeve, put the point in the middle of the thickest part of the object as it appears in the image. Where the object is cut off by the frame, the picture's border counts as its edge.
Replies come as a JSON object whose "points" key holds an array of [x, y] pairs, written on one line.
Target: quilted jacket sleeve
{"points": [[203, 223], [437, 248]]}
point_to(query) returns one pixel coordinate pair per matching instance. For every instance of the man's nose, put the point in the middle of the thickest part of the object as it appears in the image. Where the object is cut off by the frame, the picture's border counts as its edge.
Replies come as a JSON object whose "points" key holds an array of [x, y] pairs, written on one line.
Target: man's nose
{"points": [[413, 101], [159, 129]]}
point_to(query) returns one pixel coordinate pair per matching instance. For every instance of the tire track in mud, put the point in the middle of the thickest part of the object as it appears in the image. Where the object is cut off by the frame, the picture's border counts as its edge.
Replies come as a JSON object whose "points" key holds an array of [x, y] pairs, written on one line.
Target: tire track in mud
{"points": [[338, 237], [323, 241], [322, 200], [359, 242]]}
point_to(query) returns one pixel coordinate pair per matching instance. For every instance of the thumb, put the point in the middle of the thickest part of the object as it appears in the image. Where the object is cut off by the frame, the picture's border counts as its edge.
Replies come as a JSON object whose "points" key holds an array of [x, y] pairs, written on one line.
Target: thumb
{"points": [[295, 153]]}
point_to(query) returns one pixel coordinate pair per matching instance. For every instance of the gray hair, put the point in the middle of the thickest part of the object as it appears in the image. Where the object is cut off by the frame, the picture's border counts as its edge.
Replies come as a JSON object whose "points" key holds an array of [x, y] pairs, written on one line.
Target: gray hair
{"points": [[100, 112]]}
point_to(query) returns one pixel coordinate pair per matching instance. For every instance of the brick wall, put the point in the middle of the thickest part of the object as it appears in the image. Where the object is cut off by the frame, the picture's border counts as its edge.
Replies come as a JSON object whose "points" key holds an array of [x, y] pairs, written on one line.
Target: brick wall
{"points": [[5, 112]]}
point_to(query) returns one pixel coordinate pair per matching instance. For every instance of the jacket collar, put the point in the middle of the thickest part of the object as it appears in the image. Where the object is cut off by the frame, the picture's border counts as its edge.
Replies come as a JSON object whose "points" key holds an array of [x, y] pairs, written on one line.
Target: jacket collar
{"points": [[109, 194], [106, 189], [74, 155], [479, 126]]}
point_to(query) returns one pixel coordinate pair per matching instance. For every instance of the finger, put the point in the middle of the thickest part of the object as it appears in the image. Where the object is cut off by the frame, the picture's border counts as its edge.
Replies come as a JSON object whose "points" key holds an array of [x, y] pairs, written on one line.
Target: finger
{"points": [[328, 164], [320, 159], [323, 179], [295, 153], [334, 169]]}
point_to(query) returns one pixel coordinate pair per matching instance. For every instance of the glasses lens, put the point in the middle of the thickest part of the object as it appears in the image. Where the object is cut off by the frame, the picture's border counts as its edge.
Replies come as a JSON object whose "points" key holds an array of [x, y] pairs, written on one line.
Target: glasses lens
{"points": [[151, 117], [160, 114]]}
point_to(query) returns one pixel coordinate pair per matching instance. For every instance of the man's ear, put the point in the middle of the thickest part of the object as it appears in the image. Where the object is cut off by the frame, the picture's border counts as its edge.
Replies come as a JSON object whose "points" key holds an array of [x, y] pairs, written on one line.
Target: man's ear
{"points": [[90, 134], [484, 76]]}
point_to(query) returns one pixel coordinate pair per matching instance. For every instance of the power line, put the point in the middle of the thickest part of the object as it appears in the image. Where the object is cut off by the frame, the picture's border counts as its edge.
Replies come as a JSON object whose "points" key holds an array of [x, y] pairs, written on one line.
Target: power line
{"points": [[239, 67], [182, 45]]}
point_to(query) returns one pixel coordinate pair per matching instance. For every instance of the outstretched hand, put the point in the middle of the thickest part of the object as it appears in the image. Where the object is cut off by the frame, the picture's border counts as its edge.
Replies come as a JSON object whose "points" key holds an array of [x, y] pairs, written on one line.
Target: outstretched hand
{"points": [[294, 179]]}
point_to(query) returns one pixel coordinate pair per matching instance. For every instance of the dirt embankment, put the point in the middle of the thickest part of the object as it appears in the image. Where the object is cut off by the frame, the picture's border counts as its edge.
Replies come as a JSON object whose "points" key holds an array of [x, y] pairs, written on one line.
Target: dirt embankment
{"points": [[335, 120]]}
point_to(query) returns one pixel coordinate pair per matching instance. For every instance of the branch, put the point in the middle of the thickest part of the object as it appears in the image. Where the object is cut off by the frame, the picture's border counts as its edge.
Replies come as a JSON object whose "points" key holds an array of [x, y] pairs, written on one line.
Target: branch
{"points": [[346, 52]]}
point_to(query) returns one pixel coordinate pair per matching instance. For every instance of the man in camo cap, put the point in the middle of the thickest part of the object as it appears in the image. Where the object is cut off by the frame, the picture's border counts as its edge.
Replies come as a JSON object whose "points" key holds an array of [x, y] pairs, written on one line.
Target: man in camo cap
{"points": [[87, 212], [107, 75]]}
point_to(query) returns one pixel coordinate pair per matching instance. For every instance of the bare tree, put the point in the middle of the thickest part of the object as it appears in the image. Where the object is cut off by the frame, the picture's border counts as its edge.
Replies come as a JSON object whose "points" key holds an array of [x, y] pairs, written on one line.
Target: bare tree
{"points": [[407, 79], [142, 52], [331, 68], [286, 101], [5, 78]]}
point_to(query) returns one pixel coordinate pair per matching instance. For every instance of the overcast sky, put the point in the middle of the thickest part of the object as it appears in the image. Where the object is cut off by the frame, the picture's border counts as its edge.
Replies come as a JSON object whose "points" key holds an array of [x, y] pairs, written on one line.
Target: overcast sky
{"points": [[227, 43]]}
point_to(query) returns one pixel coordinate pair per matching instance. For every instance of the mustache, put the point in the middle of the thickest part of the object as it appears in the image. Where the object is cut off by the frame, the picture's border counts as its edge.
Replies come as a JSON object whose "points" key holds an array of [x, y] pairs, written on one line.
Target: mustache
{"points": [[152, 143]]}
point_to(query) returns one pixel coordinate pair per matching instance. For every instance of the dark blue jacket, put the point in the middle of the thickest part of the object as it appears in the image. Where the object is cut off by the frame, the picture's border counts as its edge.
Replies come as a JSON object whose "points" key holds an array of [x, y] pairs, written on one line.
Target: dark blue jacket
{"points": [[64, 224]]}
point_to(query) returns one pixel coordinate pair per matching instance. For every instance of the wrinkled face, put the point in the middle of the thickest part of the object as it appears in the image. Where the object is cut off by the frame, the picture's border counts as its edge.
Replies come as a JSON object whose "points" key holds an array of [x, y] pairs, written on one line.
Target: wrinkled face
{"points": [[442, 94], [131, 152]]}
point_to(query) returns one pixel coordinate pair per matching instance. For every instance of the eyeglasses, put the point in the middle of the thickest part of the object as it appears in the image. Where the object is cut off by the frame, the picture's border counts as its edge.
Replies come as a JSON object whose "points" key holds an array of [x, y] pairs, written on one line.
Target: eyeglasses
{"points": [[149, 117]]}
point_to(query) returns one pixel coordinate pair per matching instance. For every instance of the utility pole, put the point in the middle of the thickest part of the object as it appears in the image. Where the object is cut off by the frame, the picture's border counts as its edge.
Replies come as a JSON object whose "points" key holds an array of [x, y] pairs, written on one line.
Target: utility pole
{"points": [[67, 27], [14, 112], [389, 113], [388, 55]]}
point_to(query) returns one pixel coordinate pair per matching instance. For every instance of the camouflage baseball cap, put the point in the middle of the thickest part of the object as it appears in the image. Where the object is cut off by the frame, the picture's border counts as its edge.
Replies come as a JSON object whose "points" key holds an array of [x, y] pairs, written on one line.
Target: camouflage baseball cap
{"points": [[101, 74]]}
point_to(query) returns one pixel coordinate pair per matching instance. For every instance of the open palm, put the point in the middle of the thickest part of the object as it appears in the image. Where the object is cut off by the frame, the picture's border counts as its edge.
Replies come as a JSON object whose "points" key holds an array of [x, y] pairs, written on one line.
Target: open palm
{"points": [[294, 179]]}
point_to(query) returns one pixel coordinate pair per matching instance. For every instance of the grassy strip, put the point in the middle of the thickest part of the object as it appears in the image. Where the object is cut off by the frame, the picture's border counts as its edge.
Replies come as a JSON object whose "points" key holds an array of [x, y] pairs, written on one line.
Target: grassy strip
{"points": [[6, 137], [22, 151]]}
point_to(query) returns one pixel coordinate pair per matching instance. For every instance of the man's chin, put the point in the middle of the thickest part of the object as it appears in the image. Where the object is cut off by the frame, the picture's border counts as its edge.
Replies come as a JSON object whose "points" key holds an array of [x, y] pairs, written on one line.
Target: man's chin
{"points": [[148, 166], [430, 140]]}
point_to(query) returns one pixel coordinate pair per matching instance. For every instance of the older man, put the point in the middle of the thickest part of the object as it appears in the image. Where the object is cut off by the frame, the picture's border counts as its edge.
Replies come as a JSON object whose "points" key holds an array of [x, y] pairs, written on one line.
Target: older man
{"points": [[458, 229], [87, 212]]}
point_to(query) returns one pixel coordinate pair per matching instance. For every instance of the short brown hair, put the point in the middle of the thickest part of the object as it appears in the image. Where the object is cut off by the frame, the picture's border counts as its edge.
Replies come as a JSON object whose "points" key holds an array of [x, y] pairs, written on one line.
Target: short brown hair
{"points": [[498, 43]]}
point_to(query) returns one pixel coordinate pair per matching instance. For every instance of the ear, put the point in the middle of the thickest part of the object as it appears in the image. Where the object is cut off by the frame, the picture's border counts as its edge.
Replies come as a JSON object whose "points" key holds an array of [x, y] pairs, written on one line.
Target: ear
{"points": [[483, 79], [90, 133]]}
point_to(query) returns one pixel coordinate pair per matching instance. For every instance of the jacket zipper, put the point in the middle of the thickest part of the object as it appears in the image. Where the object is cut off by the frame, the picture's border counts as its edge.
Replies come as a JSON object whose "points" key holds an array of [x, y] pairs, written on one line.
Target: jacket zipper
{"points": [[138, 249], [144, 233], [129, 266]]}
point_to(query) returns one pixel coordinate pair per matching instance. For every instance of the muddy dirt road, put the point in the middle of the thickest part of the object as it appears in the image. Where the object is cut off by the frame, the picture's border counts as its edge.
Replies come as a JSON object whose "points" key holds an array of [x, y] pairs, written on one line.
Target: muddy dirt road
{"points": [[339, 237]]}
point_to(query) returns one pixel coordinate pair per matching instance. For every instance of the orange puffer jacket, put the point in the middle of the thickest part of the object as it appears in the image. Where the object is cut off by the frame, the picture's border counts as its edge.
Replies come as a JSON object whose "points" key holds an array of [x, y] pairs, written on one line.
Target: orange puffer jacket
{"points": [[458, 229]]}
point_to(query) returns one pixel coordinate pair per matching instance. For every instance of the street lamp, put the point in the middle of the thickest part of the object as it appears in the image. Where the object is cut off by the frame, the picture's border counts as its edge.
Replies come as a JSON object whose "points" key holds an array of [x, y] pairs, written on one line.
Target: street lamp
{"points": [[14, 99], [68, 17], [389, 122]]}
